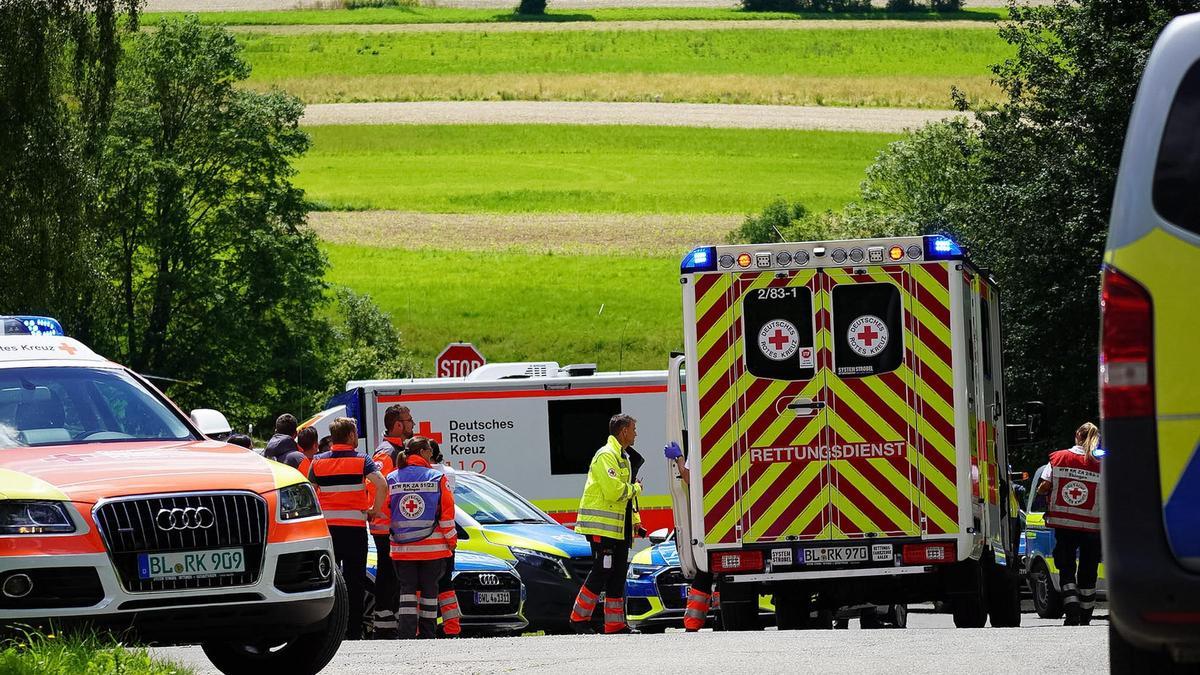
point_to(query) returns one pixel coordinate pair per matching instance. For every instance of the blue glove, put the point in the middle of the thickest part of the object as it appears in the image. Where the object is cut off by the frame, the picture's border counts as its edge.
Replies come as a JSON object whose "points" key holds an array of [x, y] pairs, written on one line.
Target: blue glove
{"points": [[672, 451]]}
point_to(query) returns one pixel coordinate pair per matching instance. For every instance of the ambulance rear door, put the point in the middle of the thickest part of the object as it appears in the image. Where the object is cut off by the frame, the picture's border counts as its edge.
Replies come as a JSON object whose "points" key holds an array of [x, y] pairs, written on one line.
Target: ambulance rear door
{"points": [[871, 436]]}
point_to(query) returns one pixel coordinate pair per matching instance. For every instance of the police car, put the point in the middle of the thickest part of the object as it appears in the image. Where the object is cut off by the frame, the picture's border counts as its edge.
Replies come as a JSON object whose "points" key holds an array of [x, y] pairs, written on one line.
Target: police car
{"points": [[1149, 404], [117, 511]]}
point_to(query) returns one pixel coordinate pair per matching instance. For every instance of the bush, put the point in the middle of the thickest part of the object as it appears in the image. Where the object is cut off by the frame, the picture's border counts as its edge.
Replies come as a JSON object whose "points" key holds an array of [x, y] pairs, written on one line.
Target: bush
{"points": [[946, 5], [532, 7], [774, 222], [905, 6]]}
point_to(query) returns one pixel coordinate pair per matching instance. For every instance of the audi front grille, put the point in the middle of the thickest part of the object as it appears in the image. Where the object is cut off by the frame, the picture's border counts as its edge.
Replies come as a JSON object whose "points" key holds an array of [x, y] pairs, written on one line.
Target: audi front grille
{"points": [[184, 522], [467, 583]]}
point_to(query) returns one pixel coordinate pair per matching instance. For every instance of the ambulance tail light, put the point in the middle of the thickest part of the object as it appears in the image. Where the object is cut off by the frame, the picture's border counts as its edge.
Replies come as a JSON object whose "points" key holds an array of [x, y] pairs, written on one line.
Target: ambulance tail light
{"points": [[929, 554], [1126, 382], [701, 259], [737, 561]]}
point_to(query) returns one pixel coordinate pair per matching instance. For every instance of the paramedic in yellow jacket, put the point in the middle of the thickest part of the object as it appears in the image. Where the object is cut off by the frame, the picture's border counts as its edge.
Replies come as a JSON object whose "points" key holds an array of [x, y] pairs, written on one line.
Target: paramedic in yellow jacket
{"points": [[608, 517]]}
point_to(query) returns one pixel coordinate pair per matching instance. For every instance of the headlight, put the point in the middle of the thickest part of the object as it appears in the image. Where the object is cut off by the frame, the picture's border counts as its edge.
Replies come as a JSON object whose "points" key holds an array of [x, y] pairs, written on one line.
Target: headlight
{"points": [[542, 561], [28, 517], [640, 571], [298, 501]]}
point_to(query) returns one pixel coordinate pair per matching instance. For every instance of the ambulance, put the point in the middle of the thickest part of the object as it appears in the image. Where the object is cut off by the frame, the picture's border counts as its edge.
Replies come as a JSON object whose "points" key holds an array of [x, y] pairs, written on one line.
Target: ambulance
{"points": [[842, 409], [532, 426], [1149, 402]]}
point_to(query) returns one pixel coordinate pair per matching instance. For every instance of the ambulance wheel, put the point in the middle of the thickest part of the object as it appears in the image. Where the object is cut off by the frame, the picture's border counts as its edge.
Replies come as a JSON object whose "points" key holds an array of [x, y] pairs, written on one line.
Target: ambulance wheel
{"points": [[739, 606], [968, 599], [792, 606], [869, 619], [1047, 602], [304, 654], [1004, 596], [897, 616]]}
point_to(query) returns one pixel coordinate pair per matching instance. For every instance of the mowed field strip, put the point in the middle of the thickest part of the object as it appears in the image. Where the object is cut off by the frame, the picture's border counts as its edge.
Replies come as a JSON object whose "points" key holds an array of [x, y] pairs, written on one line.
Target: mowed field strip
{"points": [[604, 26], [580, 169], [896, 67]]}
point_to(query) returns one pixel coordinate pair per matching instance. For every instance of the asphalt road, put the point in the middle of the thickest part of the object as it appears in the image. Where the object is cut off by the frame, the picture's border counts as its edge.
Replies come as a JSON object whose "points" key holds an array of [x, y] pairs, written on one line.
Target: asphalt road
{"points": [[929, 645]]}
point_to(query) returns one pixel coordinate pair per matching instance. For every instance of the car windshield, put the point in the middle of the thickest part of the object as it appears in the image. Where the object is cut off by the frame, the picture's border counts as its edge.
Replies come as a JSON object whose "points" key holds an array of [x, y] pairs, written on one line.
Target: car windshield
{"points": [[65, 406], [492, 504], [1037, 502]]}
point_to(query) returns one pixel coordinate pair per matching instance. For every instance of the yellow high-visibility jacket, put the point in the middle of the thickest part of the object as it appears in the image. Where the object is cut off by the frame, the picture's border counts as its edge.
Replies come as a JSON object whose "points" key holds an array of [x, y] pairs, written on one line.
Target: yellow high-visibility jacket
{"points": [[607, 492]]}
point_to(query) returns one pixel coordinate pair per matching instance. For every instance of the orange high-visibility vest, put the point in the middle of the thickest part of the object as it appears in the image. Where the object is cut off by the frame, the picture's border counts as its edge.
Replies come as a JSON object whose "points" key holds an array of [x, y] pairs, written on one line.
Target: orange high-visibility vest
{"points": [[383, 457], [341, 488]]}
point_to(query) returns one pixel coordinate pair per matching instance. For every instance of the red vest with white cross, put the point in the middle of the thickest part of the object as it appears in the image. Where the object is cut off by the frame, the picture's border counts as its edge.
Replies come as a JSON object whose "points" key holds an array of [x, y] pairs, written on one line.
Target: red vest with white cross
{"points": [[1074, 491]]}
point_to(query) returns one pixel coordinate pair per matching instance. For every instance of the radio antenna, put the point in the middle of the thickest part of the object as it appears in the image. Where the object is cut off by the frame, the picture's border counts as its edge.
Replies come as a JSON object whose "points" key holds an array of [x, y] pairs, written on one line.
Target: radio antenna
{"points": [[597, 359], [621, 347]]}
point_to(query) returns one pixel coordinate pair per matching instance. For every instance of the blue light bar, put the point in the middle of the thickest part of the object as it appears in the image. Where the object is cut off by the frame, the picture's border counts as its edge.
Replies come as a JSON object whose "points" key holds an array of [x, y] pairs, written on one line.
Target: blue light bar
{"points": [[701, 259], [30, 325], [938, 247]]}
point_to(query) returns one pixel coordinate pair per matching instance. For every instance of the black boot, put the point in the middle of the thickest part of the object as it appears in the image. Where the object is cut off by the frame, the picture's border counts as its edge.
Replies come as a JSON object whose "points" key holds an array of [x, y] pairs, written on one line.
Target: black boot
{"points": [[583, 627], [1073, 614]]}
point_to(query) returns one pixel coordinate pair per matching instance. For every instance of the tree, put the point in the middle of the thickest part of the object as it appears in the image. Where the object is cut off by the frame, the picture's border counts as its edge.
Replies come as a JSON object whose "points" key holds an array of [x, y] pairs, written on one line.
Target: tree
{"points": [[58, 63], [219, 279], [369, 346]]}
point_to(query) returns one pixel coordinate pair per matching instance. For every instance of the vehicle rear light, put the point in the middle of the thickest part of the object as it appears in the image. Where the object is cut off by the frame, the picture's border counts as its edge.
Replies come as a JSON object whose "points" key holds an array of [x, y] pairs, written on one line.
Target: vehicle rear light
{"points": [[1172, 617], [929, 554], [737, 561], [1126, 347]]}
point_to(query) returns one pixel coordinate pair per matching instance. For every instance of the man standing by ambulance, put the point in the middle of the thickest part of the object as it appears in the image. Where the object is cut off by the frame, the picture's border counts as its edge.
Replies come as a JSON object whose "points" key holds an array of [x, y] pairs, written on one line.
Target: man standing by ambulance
{"points": [[1072, 481], [423, 537], [608, 517], [398, 428], [340, 477]]}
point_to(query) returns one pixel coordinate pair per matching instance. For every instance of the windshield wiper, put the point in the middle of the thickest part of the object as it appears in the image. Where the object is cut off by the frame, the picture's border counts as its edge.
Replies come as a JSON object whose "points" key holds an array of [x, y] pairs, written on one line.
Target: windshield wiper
{"points": [[524, 520]]}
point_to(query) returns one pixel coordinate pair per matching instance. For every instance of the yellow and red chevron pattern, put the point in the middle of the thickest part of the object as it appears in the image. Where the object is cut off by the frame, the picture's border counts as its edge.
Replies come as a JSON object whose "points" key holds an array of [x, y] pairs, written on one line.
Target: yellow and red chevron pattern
{"points": [[910, 493]]}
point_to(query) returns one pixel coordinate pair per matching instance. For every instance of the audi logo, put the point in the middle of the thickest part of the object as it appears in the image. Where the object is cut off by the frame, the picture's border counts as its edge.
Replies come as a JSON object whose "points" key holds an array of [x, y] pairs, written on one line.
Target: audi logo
{"points": [[198, 518], [489, 580]]}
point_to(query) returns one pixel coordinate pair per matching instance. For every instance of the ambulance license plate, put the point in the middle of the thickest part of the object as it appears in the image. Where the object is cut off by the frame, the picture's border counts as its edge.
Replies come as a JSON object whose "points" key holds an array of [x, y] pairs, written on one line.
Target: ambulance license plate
{"points": [[834, 555], [191, 564], [492, 597]]}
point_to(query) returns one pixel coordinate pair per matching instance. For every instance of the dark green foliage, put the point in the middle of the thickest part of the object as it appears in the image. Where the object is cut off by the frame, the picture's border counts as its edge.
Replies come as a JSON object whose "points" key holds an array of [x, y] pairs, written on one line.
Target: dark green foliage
{"points": [[369, 345], [946, 5], [531, 7], [769, 226]]}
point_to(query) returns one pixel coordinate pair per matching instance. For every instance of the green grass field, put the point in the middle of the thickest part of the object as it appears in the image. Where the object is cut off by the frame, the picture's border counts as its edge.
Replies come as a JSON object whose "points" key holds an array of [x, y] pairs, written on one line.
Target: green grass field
{"points": [[405, 15], [912, 67], [600, 169], [520, 306]]}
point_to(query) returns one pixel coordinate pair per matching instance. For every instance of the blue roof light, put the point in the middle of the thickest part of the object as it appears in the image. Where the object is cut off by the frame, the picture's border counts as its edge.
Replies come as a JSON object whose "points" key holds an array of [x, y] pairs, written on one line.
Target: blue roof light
{"points": [[701, 259], [939, 247], [30, 325]]}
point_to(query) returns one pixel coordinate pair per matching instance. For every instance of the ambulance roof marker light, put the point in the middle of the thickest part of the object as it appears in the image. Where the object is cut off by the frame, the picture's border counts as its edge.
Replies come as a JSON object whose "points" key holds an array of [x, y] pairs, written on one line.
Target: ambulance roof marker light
{"points": [[744, 260], [895, 253], [941, 247], [700, 259]]}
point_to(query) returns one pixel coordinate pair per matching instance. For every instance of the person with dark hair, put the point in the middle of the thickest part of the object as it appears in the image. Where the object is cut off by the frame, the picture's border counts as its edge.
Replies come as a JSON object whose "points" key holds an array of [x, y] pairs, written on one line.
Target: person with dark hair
{"points": [[282, 446], [340, 477], [608, 517], [397, 428], [423, 537], [242, 440], [306, 439], [447, 598]]}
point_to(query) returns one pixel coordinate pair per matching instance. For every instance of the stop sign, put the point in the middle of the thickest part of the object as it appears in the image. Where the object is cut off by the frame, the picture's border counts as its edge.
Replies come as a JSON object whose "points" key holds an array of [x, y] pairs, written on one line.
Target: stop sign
{"points": [[458, 359]]}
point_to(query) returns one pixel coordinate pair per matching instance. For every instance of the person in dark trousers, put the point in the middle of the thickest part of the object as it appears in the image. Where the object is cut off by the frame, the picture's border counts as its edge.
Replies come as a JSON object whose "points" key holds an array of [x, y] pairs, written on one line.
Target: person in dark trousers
{"points": [[1072, 482], [608, 517], [447, 598], [282, 446], [423, 537], [340, 477], [700, 590], [397, 428]]}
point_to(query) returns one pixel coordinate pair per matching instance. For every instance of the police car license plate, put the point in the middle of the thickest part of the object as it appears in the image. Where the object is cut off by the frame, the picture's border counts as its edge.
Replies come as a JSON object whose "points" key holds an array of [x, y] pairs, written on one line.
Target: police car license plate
{"points": [[191, 564], [492, 597], [833, 555]]}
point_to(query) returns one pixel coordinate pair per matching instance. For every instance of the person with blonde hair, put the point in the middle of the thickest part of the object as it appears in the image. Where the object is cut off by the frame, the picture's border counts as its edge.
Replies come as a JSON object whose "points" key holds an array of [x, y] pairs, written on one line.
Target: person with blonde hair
{"points": [[1072, 481]]}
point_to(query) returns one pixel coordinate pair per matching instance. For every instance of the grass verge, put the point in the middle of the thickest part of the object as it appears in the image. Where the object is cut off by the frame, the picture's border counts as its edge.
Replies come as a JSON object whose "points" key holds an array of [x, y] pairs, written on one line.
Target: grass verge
{"points": [[896, 67], [580, 169], [38, 654], [519, 306], [397, 15]]}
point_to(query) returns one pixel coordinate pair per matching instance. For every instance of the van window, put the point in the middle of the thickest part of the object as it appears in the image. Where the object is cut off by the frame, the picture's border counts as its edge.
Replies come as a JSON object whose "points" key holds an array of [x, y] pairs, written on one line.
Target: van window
{"points": [[577, 429], [778, 333], [1177, 172], [868, 329], [985, 319]]}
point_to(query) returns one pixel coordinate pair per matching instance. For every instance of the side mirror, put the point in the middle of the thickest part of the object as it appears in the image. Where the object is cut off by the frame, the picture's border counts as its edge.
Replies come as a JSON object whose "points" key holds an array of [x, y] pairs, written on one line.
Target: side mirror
{"points": [[1025, 421], [659, 536], [211, 422]]}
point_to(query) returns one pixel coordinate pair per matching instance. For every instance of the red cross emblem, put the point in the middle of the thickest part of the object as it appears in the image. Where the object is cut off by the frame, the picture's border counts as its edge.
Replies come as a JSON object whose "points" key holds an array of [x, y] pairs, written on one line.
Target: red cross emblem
{"points": [[867, 335], [779, 340], [1075, 493], [67, 348], [412, 506], [426, 429]]}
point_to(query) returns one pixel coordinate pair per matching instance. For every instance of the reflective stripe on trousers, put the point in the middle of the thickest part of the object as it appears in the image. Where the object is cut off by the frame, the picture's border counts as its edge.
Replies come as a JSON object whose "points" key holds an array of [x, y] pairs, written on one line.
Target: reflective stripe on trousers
{"points": [[408, 605], [429, 608], [448, 606], [585, 602], [697, 610], [385, 620], [1070, 594], [614, 614], [1087, 598]]}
